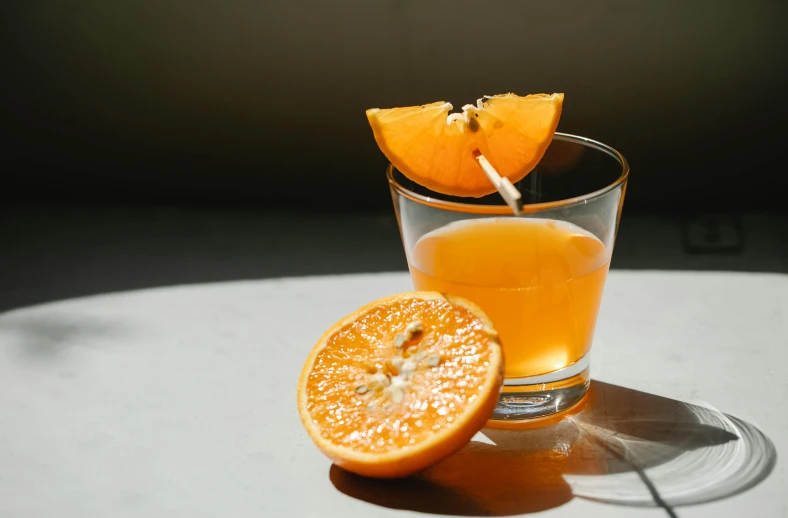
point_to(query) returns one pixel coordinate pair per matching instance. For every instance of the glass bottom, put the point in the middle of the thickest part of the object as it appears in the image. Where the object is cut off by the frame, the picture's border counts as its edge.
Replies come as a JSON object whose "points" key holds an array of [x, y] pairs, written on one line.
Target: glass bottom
{"points": [[540, 396]]}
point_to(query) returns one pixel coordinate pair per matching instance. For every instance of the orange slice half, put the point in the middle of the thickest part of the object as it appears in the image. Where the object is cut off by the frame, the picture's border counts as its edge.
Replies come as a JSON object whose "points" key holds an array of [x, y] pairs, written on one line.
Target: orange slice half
{"points": [[401, 383], [437, 149]]}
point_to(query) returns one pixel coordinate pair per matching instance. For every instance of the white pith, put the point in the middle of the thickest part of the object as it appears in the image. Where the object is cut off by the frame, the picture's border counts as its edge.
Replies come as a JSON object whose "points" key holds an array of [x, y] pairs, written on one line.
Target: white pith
{"points": [[464, 115], [394, 386]]}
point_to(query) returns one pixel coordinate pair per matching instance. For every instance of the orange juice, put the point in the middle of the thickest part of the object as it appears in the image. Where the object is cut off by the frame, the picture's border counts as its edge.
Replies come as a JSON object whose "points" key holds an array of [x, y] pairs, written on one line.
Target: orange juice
{"points": [[540, 281]]}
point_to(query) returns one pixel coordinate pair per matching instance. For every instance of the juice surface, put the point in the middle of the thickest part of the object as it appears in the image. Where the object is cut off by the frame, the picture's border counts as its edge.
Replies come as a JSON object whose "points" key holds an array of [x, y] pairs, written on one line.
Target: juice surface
{"points": [[540, 281]]}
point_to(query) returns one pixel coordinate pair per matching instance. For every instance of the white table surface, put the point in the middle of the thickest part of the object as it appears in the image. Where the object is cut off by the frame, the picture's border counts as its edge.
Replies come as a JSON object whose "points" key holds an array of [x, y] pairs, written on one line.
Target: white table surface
{"points": [[180, 401]]}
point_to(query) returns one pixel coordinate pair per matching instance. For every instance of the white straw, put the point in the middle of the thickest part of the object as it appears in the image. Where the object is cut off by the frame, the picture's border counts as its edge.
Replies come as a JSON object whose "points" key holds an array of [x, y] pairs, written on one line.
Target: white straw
{"points": [[508, 191]]}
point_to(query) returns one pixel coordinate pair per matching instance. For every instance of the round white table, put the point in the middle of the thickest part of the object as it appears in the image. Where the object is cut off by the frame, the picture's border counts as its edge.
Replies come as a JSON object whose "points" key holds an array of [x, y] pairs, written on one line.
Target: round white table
{"points": [[180, 401]]}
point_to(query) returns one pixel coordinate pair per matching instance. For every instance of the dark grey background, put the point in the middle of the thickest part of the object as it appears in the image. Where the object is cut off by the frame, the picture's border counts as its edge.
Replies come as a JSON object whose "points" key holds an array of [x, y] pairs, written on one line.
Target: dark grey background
{"points": [[149, 143], [236, 101]]}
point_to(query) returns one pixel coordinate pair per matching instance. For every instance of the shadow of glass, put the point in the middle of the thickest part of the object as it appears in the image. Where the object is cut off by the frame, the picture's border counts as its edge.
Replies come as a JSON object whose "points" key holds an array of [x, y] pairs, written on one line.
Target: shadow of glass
{"points": [[623, 447]]}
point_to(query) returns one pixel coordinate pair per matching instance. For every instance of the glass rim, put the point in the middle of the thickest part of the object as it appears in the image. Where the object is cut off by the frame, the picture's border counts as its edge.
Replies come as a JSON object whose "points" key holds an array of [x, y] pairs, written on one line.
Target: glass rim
{"points": [[502, 208]]}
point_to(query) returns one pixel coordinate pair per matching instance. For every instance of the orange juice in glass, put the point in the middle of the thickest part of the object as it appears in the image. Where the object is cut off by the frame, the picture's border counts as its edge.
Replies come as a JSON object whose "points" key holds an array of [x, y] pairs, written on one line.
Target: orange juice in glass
{"points": [[539, 280], [539, 276]]}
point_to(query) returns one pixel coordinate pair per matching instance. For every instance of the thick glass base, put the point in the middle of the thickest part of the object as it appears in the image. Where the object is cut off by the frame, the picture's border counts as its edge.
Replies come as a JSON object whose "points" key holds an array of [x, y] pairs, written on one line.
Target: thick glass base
{"points": [[540, 396]]}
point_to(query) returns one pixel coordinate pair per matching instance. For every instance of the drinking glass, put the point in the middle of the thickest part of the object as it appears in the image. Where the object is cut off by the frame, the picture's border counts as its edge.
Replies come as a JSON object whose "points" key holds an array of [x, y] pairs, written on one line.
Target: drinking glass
{"points": [[539, 276]]}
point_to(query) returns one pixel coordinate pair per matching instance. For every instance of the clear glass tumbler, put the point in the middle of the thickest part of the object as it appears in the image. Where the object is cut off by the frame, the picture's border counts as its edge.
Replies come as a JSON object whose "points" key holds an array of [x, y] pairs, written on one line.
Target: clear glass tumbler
{"points": [[539, 276]]}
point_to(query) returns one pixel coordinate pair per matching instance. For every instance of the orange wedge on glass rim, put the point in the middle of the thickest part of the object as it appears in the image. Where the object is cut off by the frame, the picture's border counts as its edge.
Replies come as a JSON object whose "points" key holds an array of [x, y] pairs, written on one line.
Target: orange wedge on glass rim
{"points": [[401, 383], [437, 149]]}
